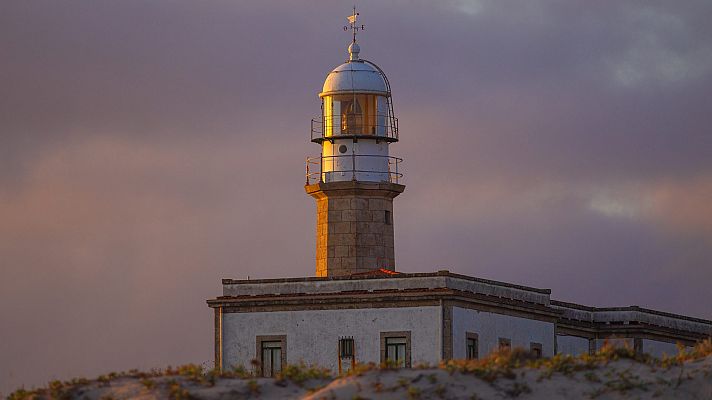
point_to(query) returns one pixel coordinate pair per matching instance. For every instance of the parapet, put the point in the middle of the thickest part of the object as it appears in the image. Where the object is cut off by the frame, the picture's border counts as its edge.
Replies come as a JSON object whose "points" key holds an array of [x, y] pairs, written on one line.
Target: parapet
{"points": [[380, 282], [631, 316]]}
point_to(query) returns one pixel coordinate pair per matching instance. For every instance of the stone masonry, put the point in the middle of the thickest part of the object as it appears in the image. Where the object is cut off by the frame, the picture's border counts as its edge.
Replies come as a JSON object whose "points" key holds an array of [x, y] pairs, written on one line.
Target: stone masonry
{"points": [[354, 227]]}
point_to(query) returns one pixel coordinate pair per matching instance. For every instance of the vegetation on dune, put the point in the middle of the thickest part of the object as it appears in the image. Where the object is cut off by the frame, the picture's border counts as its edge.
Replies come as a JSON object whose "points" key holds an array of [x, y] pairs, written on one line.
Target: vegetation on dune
{"points": [[701, 350], [499, 364], [506, 364], [502, 363], [301, 373]]}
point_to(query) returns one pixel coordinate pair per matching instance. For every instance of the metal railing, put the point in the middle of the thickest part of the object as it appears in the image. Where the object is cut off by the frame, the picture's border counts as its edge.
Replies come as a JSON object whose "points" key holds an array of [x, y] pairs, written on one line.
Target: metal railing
{"points": [[316, 173], [381, 126]]}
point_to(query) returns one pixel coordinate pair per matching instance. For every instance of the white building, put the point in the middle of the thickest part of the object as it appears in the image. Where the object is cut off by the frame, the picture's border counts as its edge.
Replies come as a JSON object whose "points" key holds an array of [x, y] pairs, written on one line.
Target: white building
{"points": [[359, 309]]}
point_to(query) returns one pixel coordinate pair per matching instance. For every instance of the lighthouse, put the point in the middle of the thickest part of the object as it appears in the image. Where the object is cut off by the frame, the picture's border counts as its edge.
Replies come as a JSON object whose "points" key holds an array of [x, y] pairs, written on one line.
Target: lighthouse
{"points": [[358, 310], [355, 179]]}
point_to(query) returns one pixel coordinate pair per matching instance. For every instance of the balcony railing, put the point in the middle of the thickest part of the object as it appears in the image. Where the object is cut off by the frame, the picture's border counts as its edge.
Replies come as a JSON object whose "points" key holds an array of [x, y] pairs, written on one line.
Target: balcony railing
{"points": [[380, 126], [367, 168]]}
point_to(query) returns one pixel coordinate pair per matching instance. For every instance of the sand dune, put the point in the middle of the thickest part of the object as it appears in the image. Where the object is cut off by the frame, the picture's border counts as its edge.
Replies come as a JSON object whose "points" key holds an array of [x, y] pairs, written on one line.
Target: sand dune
{"points": [[610, 374]]}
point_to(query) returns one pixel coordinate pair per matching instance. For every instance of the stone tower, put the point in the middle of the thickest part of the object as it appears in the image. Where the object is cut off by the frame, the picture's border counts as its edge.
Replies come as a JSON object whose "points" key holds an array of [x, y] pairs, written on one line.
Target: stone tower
{"points": [[354, 180]]}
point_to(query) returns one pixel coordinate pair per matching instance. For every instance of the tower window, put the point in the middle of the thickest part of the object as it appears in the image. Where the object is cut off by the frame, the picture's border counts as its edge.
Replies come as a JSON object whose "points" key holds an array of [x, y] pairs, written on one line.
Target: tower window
{"points": [[387, 218], [352, 114]]}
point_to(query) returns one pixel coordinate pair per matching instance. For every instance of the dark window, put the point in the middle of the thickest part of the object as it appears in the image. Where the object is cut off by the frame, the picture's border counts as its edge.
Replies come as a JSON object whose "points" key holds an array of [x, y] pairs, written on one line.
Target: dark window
{"points": [[472, 346], [388, 218], [505, 344], [271, 354], [346, 348], [347, 354], [271, 358], [535, 349], [396, 350]]}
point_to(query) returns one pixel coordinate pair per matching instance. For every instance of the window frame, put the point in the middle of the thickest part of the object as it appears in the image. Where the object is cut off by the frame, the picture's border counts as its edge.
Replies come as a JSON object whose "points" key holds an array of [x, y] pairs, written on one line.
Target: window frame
{"points": [[536, 349], [504, 343], [259, 340], [397, 334], [476, 353], [342, 347], [346, 360]]}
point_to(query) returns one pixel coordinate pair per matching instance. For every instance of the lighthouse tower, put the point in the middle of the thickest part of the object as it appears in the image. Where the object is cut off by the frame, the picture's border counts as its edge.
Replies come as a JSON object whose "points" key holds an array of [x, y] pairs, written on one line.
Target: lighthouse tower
{"points": [[354, 180]]}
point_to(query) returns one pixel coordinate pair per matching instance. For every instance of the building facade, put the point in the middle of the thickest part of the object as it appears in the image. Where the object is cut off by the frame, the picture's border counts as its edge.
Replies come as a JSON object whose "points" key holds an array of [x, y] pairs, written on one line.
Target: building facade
{"points": [[358, 309], [435, 316]]}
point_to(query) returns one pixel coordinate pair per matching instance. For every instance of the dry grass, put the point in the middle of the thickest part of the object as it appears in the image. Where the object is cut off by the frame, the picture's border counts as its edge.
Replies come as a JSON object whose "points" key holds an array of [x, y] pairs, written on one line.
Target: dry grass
{"points": [[300, 373], [499, 364]]}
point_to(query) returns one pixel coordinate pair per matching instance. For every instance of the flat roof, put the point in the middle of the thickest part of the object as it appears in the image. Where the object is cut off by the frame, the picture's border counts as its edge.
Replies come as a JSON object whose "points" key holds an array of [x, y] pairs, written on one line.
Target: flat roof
{"points": [[399, 275], [383, 281], [581, 307]]}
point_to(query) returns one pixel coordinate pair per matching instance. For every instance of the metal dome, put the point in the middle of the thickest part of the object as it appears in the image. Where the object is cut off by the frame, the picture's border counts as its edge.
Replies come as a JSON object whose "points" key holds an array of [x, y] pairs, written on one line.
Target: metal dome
{"points": [[356, 76]]}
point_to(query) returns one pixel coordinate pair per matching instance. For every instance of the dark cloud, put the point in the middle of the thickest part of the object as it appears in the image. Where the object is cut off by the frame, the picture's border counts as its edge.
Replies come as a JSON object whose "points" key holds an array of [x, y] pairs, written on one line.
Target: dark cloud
{"points": [[148, 149]]}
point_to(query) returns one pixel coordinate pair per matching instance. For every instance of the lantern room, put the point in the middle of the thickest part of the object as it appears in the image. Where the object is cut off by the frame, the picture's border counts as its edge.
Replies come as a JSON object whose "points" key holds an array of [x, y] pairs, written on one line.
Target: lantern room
{"points": [[356, 125], [356, 101]]}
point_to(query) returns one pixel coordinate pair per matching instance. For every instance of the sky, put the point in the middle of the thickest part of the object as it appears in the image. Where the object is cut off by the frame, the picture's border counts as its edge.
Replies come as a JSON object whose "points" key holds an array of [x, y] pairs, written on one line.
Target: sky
{"points": [[150, 148]]}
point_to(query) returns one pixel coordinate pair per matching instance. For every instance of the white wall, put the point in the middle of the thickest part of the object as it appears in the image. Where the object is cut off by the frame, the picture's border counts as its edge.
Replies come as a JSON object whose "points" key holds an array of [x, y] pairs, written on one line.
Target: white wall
{"points": [[490, 327], [572, 345], [312, 336], [657, 349], [370, 156]]}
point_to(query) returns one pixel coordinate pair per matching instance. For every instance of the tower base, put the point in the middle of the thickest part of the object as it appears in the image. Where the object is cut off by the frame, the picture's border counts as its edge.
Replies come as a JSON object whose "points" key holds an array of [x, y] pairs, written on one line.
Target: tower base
{"points": [[354, 228]]}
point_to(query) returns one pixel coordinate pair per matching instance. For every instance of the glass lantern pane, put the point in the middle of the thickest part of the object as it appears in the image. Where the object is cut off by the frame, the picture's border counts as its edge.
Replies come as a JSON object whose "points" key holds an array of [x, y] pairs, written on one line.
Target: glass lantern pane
{"points": [[351, 114]]}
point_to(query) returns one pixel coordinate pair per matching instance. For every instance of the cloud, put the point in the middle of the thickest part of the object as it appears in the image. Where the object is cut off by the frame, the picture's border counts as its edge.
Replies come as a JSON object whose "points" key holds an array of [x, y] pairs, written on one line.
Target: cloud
{"points": [[659, 52], [112, 242], [469, 7]]}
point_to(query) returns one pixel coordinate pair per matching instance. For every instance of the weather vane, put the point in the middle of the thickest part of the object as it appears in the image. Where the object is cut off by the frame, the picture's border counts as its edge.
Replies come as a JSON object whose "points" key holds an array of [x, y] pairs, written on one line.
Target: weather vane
{"points": [[353, 26]]}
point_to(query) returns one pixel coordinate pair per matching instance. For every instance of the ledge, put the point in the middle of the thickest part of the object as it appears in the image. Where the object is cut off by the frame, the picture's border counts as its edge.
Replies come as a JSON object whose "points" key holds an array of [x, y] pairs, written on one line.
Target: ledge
{"points": [[400, 275], [350, 188]]}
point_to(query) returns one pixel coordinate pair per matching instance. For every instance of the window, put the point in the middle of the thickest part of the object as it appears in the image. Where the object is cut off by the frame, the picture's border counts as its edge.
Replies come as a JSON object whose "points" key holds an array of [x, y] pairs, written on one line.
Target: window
{"points": [[387, 218], [346, 348], [395, 348], [505, 344], [347, 354], [271, 358], [535, 349], [472, 351], [353, 114], [352, 121], [271, 354]]}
